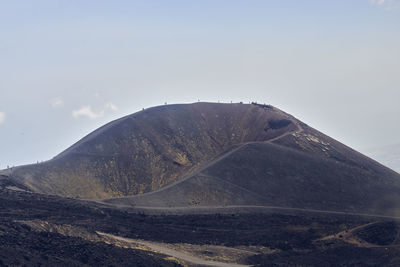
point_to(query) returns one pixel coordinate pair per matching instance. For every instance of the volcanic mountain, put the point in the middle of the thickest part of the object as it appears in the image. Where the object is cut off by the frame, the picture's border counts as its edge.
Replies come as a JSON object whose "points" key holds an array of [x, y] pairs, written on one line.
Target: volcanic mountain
{"points": [[208, 155]]}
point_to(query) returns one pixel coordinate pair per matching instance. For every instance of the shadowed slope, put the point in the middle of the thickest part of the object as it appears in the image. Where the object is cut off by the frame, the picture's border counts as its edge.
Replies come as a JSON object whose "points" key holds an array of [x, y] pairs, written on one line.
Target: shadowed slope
{"points": [[265, 174]]}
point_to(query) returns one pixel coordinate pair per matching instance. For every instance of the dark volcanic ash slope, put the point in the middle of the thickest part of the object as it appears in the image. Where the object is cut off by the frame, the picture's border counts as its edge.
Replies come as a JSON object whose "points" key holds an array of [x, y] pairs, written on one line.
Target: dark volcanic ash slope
{"points": [[264, 174], [207, 154], [151, 149]]}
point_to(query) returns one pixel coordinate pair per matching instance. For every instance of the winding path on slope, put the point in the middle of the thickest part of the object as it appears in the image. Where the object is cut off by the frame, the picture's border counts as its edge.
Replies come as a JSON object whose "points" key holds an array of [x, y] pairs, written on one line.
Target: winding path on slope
{"points": [[159, 247]]}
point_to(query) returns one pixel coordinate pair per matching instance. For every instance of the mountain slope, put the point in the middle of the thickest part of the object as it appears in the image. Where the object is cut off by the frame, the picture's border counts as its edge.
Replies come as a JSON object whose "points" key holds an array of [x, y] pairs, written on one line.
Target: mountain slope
{"points": [[150, 149], [209, 154], [264, 174]]}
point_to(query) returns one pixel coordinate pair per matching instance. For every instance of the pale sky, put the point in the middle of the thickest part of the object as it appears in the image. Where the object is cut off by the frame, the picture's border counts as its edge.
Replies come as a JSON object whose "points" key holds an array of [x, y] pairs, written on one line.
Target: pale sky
{"points": [[70, 66]]}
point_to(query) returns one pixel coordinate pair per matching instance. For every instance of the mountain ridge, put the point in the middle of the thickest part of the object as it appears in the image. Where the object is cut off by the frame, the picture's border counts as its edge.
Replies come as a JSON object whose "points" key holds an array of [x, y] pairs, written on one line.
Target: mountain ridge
{"points": [[166, 139], [210, 154]]}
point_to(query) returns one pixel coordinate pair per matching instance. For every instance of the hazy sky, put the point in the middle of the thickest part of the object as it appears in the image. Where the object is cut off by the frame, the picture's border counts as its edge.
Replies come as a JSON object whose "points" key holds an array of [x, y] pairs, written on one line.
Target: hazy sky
{"points": [[69, 66]]}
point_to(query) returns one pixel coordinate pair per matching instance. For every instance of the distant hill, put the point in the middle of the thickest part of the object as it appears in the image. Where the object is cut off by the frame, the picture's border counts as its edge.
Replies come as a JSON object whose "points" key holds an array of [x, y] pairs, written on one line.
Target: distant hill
{"points": [[209, 154]]}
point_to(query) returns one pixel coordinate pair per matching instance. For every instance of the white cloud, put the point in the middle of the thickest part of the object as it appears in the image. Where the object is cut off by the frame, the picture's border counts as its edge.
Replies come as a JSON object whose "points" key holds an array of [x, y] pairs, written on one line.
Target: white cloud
{"points": [[87, 112], [2, 117], [111, 106], [57, 102], [387, 4], [380, 2]]}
